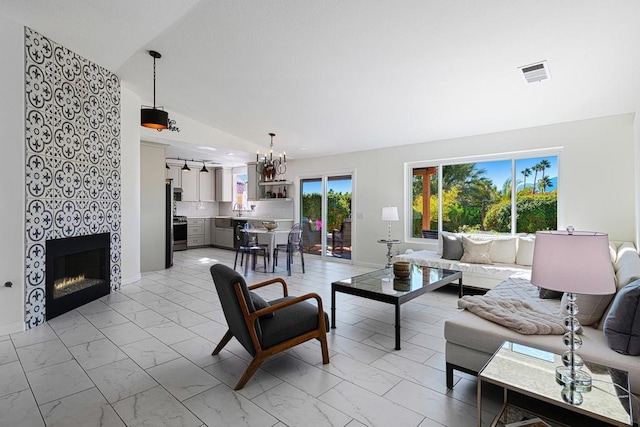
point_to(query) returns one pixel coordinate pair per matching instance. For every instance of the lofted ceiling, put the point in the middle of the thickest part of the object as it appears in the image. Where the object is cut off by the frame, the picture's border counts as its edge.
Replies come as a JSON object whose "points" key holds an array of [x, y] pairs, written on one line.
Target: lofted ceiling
{"points": [[334, 76]]}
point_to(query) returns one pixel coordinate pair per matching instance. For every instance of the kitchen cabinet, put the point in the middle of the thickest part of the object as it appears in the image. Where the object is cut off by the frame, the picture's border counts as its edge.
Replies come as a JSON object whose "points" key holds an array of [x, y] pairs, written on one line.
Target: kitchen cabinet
{"points": [[174, 173], [195, 232], [212, 232], [252, 182], [206, 186], [224, 178], [207, 231], [224, 237], [190, 186], [198, 186]]}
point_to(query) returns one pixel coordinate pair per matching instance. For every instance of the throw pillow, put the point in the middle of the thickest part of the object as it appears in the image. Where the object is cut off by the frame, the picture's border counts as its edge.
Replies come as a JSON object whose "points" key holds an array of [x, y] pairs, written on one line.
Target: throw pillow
{"points": [[622, 325], [627, 265], [476, 252], [591, 308], [549, 294], [503, 250], [451, 246], [524, 255], [259, 303]]}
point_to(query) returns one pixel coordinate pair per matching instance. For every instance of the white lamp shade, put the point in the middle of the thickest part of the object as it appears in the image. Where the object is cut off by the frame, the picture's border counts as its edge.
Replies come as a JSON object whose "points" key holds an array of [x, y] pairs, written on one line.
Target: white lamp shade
{"points": [[578, 263], [389, 213]]}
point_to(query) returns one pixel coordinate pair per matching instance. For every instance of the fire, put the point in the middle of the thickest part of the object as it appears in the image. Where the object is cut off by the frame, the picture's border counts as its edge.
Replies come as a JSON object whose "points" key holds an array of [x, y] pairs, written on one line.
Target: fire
{"points": [[68, 281]]}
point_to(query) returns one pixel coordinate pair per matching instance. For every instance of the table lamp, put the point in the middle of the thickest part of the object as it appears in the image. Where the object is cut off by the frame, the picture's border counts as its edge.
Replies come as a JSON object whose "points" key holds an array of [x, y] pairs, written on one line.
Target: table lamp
{"points": [[574, 262], [389, 213]]}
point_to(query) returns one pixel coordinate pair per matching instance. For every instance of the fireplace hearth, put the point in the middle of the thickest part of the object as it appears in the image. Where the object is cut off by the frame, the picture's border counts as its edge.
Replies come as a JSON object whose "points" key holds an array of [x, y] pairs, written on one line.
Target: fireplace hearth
{"points": [[77, 270]]}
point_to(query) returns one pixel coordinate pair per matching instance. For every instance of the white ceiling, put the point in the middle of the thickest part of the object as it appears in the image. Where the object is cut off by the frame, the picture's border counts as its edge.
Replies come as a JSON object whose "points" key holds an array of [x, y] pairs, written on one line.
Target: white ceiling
{"points": [[333, 76]]}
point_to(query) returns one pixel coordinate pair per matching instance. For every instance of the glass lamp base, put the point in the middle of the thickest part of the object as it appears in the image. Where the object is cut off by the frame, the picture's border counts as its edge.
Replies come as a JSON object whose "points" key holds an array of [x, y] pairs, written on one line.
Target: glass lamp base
{"points": [[571, 396], [574, 382]]}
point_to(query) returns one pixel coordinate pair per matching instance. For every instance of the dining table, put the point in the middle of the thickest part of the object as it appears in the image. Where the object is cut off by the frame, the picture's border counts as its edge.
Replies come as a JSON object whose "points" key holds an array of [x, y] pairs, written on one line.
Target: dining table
{"points": [[271, 236]]}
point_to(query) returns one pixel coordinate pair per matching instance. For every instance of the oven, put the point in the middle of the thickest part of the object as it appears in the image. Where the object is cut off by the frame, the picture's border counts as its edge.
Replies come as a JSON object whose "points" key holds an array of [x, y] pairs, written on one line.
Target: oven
{"points": [[179, 233]]}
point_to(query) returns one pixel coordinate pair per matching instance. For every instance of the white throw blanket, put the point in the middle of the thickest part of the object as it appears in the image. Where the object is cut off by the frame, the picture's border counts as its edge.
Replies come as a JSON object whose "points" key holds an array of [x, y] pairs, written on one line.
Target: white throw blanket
{"points": [[514, 314]]}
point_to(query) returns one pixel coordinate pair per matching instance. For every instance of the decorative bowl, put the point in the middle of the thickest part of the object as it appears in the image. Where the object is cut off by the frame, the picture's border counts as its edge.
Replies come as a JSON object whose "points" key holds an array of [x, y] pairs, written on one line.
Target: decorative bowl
{"points": [[270, 225], [401, 268]]}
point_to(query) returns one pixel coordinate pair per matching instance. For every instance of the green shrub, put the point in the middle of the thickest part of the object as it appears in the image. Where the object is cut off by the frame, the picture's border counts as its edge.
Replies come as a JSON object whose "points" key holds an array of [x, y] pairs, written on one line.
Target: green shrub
{"points": [[534, 212]]}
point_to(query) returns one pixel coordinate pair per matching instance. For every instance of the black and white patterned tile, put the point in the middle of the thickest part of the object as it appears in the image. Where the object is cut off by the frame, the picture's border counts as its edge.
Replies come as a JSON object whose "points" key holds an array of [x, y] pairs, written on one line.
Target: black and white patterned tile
{"points": [[72, 176]]}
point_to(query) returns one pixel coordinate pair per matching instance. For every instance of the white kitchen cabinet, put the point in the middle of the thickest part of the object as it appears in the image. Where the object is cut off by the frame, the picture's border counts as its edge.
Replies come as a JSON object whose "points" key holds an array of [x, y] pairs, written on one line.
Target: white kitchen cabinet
{"points": [[252, 182], [212, 232], [224, 178], [224, 237], [174, 173], [207, 231], [195, 232], [190, 185], [206, 186]]}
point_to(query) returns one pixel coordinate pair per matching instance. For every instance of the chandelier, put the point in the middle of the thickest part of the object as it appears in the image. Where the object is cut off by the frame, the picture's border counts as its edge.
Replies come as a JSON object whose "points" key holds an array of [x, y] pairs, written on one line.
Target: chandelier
{"points": [[155, 117], [269, 167]]}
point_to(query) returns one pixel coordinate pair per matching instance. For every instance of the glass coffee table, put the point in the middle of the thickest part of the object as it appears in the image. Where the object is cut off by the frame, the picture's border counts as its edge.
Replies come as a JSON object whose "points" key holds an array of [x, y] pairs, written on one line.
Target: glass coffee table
{"points": [[381, 285], [527, 374]]}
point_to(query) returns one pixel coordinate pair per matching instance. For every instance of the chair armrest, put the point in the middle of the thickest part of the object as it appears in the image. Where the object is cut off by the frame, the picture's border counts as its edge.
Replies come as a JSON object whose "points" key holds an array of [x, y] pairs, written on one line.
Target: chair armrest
{"points": [[287, 303], [285, 291]]}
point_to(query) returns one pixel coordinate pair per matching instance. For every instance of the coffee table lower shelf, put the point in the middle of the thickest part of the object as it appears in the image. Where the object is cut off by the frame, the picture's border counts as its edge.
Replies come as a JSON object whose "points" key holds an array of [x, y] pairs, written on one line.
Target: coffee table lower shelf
{"points": [[512, 414]]}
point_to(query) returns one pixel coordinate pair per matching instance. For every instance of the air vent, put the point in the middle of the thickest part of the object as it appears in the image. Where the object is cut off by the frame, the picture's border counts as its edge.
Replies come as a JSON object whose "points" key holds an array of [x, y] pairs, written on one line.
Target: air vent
{"points": [[536, 72]]}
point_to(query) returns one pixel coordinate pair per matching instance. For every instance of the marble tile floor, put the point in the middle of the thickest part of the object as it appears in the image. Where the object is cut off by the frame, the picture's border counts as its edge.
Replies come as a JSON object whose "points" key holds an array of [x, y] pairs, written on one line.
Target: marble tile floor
{"points": [[142, 357]]}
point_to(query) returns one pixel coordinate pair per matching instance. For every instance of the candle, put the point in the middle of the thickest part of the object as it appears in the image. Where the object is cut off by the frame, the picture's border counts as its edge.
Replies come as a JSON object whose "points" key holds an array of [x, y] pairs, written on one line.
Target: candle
{"points": [[285, 157], [257, 156]]}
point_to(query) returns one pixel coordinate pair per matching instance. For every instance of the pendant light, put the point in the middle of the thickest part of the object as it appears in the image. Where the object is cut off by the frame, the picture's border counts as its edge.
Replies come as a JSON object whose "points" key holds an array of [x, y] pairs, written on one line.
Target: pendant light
{"points": [[154, 118], [185, 168], [204, 168]]}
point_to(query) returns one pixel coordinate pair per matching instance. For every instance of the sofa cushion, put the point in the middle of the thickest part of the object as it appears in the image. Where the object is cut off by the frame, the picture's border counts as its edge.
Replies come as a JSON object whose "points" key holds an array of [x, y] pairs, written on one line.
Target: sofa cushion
{"points": [[451, 246], [590, 307], [503, 250], [622, 324], [524, 256], [476, 252], [627, 265]]}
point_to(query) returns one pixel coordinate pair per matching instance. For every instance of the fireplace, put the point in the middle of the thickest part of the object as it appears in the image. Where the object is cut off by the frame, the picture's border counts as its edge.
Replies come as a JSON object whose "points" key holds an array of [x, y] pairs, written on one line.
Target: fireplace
{"points": [[77, 272]]}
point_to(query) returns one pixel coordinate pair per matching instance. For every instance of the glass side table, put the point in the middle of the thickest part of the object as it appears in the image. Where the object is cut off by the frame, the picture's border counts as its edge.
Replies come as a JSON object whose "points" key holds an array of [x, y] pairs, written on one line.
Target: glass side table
{"points": [[389, 243], [531, 372]]}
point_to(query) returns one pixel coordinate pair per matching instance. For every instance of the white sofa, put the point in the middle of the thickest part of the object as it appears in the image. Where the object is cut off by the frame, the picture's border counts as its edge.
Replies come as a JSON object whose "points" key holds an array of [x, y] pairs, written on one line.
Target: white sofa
{"points": [[472, 340], [509, 255]]}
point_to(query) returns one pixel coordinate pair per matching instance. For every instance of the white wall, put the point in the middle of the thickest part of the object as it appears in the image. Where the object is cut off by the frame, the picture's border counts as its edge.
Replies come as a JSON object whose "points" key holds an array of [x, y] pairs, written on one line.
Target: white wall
{"points": [[597, 177], [152, 206], [636, 177], [130, 184], [12, 214]]}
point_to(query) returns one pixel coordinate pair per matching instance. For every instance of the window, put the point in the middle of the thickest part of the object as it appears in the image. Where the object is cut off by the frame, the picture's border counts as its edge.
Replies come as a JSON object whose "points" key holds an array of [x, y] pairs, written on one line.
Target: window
{"points": [[483, 196], [240, 189]]}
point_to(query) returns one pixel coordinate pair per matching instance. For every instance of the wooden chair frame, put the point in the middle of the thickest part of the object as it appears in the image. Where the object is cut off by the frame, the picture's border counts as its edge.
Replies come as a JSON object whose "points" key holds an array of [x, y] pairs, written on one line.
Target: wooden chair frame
{"points": [[251, 318]]}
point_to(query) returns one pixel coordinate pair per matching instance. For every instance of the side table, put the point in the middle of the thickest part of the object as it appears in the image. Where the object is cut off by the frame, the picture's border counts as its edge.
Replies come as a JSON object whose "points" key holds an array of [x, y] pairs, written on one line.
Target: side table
{"points": [[530, 372], [389, 243]]}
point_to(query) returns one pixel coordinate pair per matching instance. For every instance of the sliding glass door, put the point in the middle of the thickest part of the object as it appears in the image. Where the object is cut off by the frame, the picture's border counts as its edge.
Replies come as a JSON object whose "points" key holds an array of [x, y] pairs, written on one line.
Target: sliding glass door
{"points": [[326, 204]]}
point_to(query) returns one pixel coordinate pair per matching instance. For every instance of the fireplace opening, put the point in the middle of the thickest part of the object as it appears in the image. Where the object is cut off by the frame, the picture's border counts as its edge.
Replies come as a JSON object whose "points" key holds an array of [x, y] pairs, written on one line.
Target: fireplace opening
{"points": [[77, 270]]}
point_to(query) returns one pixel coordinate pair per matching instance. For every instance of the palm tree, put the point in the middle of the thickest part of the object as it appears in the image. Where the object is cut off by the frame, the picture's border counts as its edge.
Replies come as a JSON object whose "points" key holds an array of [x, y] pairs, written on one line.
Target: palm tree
{"points": [[544, 182], [536, 169], [526, 172], [544, 164]]}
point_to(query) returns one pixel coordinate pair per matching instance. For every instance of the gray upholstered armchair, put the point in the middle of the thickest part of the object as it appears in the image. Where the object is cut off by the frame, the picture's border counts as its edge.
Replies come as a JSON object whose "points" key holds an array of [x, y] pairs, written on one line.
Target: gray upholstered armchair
{"points": [[266, 328]]}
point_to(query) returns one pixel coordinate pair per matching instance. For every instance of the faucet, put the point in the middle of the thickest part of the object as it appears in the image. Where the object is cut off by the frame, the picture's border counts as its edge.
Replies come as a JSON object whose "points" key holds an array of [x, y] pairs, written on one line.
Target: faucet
{"points": [[238, 207]]}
